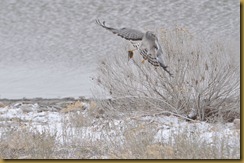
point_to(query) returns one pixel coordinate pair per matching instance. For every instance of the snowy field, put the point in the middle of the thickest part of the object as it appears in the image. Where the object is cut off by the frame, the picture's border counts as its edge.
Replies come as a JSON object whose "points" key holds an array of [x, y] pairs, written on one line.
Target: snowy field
{"points": [[81, 127]]}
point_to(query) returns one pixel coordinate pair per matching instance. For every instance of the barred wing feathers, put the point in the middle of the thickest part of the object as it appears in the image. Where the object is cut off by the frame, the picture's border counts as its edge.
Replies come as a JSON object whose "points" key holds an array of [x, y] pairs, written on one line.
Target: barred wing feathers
{"points": [[126, 33]]}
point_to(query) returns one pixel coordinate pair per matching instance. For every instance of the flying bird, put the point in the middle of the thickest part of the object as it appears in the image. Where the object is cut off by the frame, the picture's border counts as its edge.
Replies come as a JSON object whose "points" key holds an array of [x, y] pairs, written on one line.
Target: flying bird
{"points": [[149, 46]]}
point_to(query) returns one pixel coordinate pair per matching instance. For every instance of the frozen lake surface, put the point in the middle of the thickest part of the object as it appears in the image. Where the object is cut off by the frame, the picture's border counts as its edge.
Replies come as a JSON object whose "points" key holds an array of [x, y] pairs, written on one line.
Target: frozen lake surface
{"points": [[50, 49]]}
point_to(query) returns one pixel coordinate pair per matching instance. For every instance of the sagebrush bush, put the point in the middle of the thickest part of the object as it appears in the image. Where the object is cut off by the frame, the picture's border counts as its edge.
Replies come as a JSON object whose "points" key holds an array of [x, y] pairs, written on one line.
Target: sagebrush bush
{"points": [[205, 79]]}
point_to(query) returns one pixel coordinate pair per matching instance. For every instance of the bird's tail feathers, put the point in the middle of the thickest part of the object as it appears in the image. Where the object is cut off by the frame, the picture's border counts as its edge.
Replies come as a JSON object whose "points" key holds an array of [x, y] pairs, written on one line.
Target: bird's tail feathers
{"points": [[166, 69], [156, 64]]}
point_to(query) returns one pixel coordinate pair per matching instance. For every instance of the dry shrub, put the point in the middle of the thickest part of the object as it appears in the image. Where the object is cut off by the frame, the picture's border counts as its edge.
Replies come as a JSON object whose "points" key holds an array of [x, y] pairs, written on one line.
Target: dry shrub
{"points": [[23, 143], [190, 145], [205, 79], [137, 139], [139, 143], [76, 106], [81, 114]]}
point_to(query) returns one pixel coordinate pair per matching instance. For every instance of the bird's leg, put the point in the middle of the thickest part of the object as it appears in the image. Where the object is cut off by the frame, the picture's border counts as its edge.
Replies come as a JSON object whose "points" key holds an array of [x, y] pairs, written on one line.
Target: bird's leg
{"points": [[130, 54], [143, 60]]}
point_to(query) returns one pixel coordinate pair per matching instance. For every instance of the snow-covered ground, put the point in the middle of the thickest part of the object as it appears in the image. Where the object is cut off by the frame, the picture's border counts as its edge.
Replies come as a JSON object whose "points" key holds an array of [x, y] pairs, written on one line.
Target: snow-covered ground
{"points": [[57, 121]]}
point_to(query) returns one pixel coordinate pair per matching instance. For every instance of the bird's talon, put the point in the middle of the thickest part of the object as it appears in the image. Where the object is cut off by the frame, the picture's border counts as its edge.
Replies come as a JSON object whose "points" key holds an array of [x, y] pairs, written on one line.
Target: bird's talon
{"points": [[130, 54]]}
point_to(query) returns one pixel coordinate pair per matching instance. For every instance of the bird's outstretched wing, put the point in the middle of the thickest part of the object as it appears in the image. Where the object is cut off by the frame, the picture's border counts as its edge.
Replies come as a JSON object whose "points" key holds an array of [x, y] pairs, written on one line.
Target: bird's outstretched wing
{"points": [[126, 33]]}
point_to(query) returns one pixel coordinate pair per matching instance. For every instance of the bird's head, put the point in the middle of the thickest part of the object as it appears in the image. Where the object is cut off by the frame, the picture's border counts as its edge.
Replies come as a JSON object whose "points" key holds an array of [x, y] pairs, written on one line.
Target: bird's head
{"points": [[151, 36]]}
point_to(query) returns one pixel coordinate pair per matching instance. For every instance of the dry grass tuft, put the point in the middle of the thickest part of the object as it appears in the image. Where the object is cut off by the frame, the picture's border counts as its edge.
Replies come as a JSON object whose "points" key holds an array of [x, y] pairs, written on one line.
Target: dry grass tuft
{"points": [[76, 106], [22, 143]]}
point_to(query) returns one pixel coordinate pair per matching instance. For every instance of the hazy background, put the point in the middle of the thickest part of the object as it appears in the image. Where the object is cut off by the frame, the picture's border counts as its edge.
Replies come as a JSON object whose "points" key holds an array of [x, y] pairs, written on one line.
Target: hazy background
{"points": [[50, 48]]}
